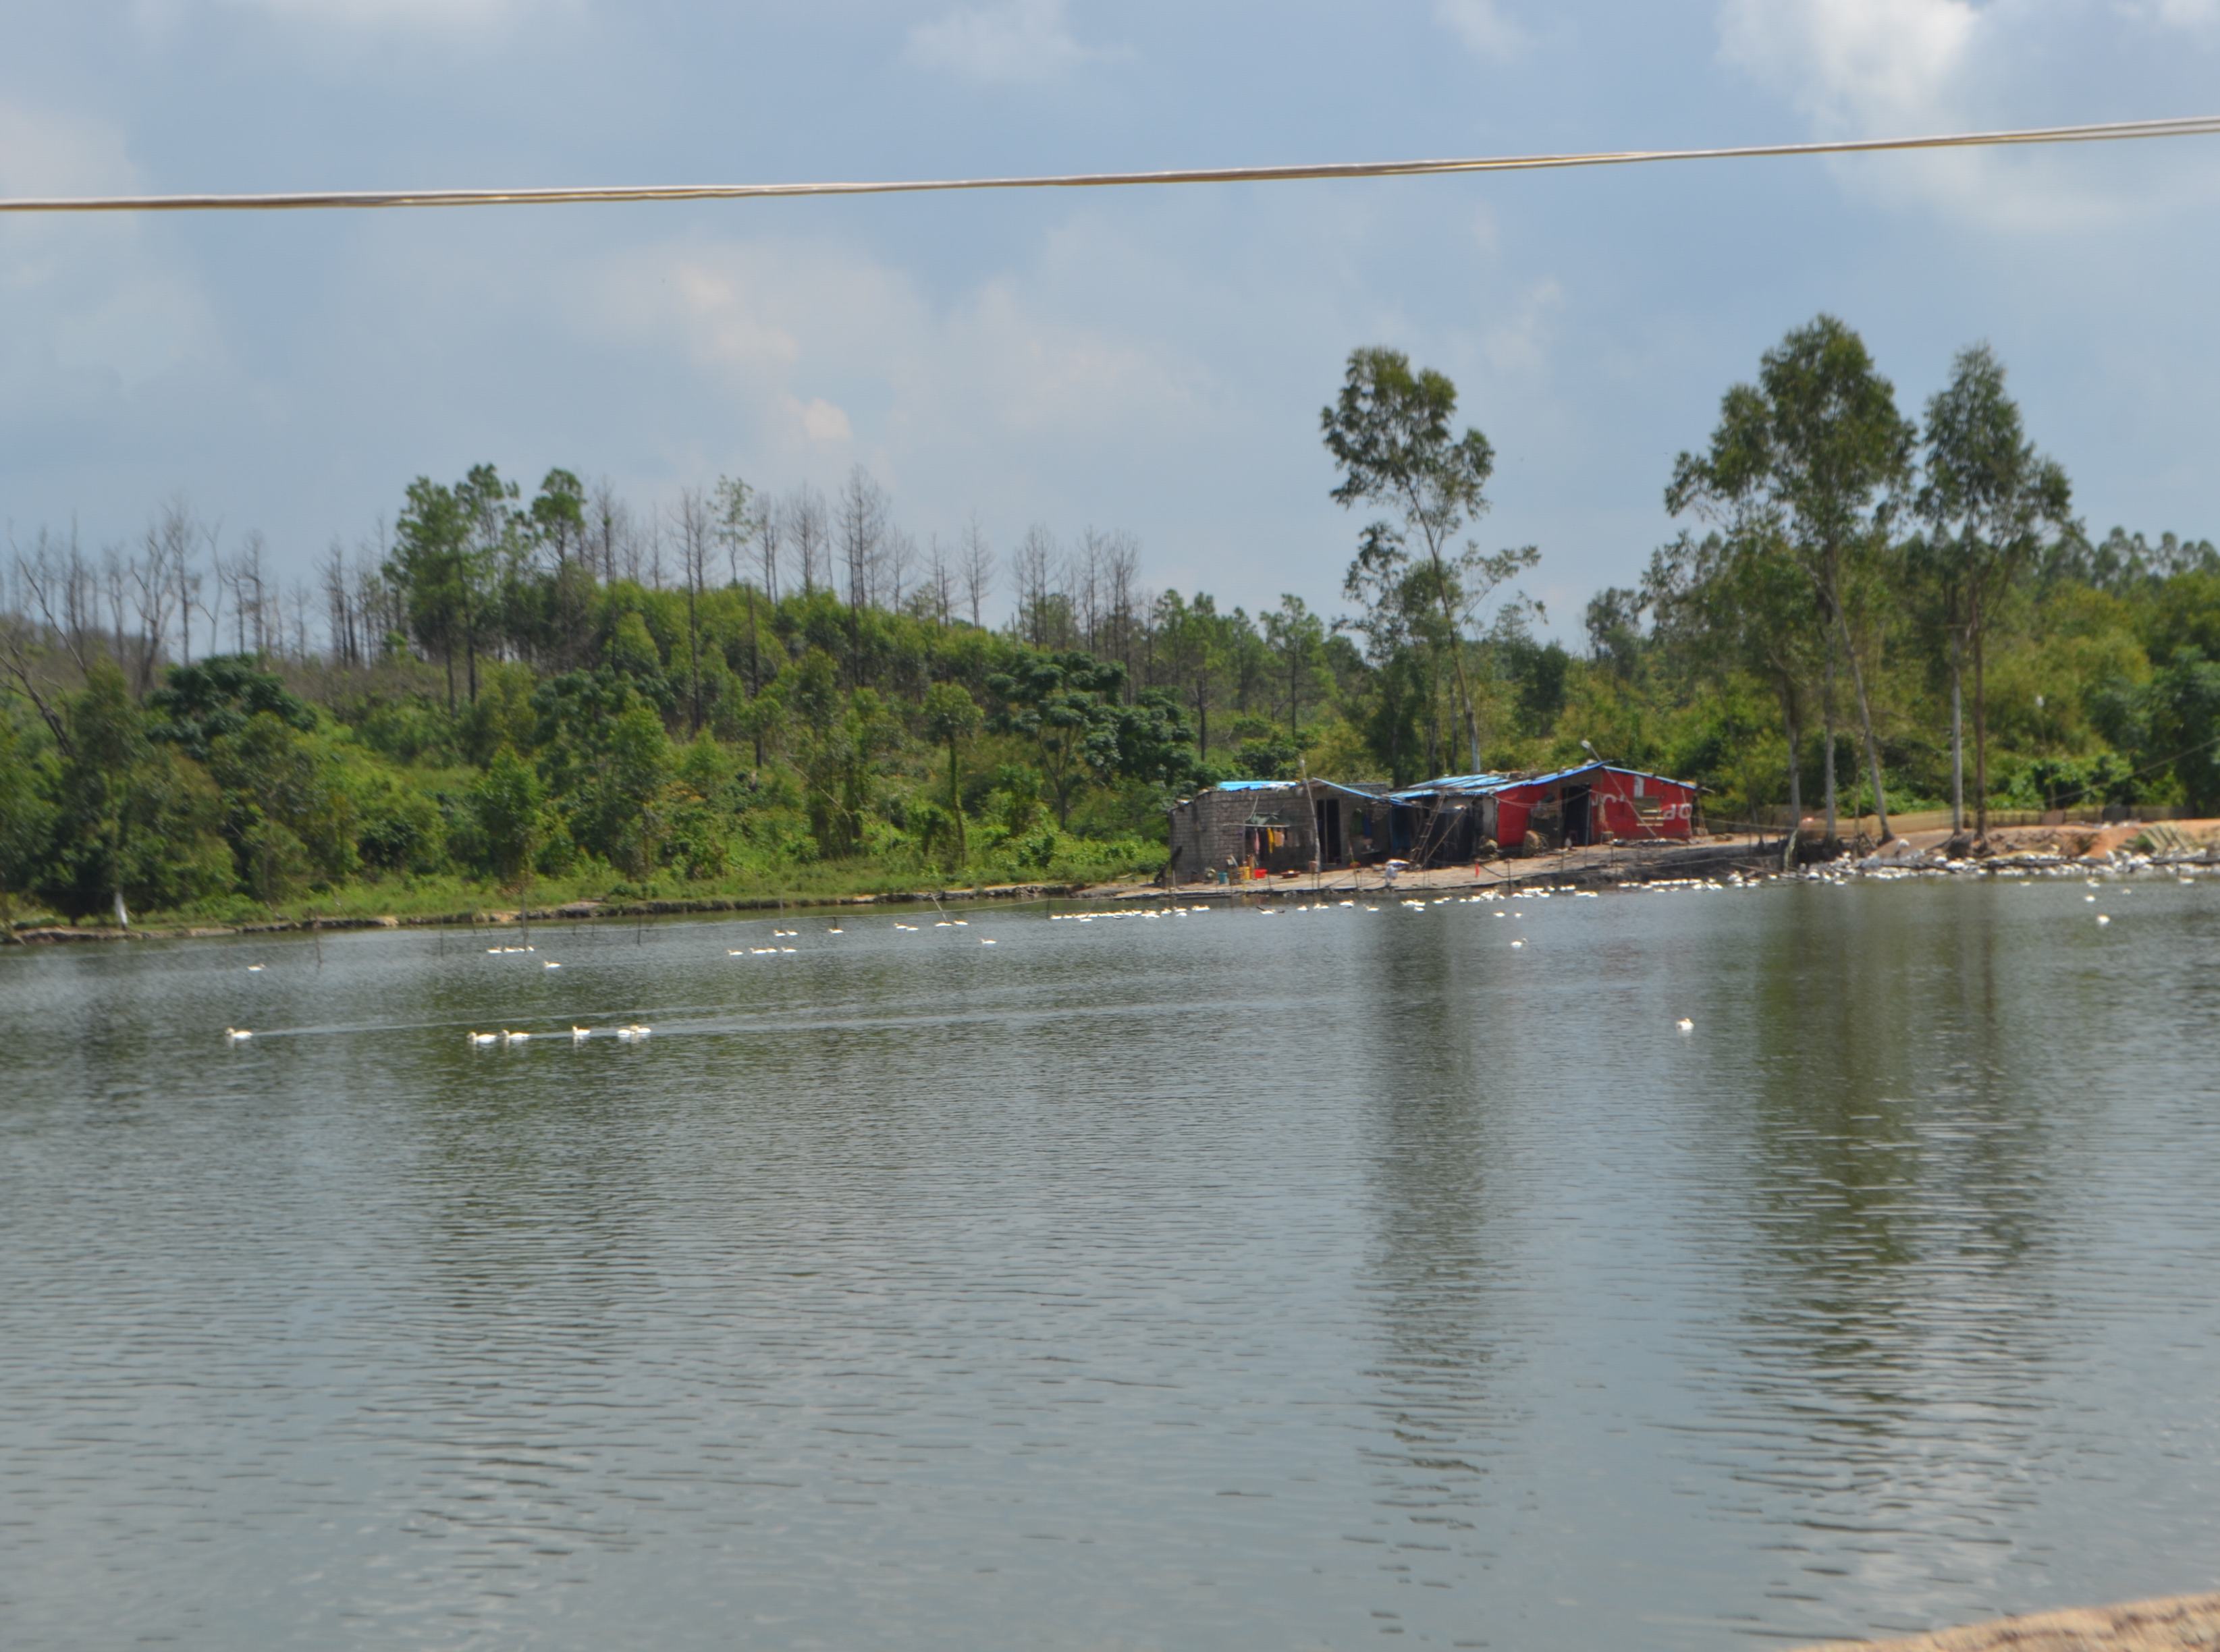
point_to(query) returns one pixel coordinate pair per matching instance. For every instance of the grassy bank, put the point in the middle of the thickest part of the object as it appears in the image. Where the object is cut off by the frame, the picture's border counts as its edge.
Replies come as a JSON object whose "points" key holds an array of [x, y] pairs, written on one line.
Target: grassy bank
{"points": [[453, 898]]}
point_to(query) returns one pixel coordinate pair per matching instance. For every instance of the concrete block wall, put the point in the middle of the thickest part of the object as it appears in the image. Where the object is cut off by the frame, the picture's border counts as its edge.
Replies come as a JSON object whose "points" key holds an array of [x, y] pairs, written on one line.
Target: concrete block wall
{"points": [[1205, 830]]}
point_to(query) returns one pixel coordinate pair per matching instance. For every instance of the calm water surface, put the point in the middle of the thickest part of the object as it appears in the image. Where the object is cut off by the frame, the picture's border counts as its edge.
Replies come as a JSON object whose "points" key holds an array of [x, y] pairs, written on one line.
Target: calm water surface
{"points": [[1185, 1283]]}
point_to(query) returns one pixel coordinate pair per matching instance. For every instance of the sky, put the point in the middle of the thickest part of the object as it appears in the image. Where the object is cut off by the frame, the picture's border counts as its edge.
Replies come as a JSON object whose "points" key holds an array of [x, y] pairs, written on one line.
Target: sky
{"points": [[1146, 361]]}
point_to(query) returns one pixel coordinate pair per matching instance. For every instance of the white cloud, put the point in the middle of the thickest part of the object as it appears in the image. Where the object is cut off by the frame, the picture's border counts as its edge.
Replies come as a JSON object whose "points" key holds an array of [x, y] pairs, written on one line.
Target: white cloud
{"points": [[2192, 14], [1868, 68], [1486, 31], [1900, 68], [823, 422], [1013, 41], [807, 345]]}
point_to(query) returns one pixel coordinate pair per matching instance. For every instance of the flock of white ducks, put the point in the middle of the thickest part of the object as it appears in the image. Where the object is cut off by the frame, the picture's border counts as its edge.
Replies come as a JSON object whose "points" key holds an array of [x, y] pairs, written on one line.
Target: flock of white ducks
{"points": [[630, 1032], [635, 1032]]}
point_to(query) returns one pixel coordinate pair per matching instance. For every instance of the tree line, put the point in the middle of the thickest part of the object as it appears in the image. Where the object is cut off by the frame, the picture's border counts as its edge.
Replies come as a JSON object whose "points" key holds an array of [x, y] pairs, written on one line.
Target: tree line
{"points": [[561, 690]]}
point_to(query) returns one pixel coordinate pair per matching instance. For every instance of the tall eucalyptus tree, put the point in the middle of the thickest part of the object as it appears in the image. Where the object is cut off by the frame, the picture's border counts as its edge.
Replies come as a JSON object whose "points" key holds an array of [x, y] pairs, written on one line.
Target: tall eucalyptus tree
{"points": [[1392, 432], [1813, 457], [1992, 504]]}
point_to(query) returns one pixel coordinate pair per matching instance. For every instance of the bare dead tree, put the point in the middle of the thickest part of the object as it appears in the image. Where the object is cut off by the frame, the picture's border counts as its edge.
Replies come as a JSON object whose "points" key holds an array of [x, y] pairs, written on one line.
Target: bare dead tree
{"points": [[211, 605], [808, 526], [1089, 583], [770, 535], [153, 593], [113, 584], [606, 527], [1032, 573], [339, 608], [378, 601], [250, 595], [56, 583], [861, 521], [22, 642], [697, 537], [974, 567], [655, 542], [170, 543], [301, 605], [770, 540], [940, 580], [1127, 603], [898, 558]]}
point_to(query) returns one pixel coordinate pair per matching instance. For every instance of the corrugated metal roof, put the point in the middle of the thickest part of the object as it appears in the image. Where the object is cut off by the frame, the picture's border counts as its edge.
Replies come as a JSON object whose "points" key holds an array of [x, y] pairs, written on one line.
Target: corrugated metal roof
{"points": [[1482, 785], [1462, 785], [1614, 768], [1288, 786]]}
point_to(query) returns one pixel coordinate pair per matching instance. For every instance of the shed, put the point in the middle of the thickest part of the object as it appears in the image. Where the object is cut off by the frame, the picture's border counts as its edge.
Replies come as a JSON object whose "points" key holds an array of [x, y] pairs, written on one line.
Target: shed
{"points": [[1454, 818], [1280, 825]]}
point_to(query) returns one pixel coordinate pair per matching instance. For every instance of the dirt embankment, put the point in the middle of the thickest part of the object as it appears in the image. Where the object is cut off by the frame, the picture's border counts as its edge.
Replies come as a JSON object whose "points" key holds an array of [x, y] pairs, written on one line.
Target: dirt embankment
{"points": [[2082, 842], [2184, 1622]]}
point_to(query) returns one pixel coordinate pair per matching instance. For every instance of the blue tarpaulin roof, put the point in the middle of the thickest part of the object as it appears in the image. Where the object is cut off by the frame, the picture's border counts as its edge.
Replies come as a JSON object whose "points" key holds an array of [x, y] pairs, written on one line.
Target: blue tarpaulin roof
{"points": [[1287, 786]]}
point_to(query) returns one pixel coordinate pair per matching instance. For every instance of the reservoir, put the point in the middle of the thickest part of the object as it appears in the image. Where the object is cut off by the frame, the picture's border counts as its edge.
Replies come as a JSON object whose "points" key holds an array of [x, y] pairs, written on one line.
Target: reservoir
{"points": [[1333, 1278]]}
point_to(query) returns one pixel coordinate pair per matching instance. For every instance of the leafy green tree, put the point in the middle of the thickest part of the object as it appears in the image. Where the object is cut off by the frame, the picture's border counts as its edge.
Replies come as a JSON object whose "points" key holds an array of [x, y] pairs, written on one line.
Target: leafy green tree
{"points": [[1296, 638], [455, 550], [289, 816], [2184, 725], [1392, 432], [1191, 646], [1613, 621], [1153, 743], [557, 516], [1738, 603], [1066, 705], [136, 821], [509, 801], [431, 565], [27, 813], [1809, 459], [547, 614], [950, 717], [200, 703], [1992, 504]]}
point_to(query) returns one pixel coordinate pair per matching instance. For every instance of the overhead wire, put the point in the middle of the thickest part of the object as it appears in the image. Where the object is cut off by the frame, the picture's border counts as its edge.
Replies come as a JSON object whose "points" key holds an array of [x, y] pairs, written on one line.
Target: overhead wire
{"points": [[315, 200]]}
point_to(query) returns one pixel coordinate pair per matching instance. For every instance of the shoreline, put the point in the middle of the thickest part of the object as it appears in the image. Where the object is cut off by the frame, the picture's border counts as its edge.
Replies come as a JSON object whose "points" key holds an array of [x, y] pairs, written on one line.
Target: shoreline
{"points": [[2180, 1623], [519, 917], [1743, 856]]}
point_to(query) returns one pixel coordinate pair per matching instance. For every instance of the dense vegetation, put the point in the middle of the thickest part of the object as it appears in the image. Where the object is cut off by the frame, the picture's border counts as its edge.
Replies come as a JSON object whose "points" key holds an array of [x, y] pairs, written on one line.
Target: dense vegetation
{"points": [[558, 695]]}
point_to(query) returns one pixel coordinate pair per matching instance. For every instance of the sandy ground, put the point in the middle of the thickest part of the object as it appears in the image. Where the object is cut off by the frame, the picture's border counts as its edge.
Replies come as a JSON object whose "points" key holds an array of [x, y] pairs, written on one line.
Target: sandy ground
{"points": [[2185, 1623], [2092, 841]]}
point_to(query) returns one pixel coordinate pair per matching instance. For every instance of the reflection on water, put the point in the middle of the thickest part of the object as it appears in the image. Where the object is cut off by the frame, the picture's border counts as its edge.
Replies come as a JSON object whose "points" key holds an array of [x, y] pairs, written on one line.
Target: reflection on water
{"points": [[1175, 1282]]}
